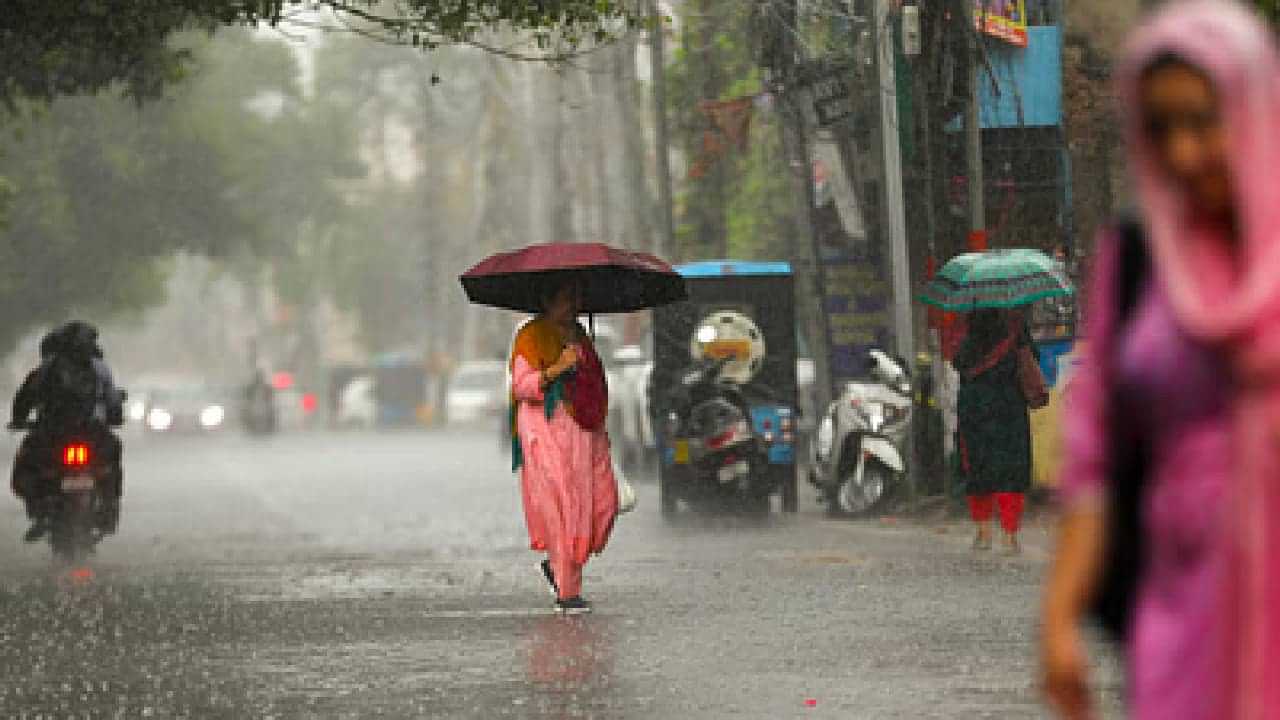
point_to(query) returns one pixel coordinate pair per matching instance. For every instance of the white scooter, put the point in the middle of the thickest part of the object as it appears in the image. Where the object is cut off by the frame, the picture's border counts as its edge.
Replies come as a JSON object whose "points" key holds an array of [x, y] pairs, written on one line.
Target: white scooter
{"points": [[856, 458]]}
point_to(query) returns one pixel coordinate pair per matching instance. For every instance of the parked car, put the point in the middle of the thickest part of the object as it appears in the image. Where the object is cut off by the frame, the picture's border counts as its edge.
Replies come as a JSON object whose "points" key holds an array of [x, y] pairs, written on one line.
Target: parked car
{"points": [[628, 403], [357, 406], [477, 392]]}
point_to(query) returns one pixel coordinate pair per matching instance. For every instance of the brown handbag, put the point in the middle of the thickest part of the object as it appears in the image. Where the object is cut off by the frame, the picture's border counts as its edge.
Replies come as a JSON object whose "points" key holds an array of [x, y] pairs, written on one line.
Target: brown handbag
{"points": [[1031, 380]]}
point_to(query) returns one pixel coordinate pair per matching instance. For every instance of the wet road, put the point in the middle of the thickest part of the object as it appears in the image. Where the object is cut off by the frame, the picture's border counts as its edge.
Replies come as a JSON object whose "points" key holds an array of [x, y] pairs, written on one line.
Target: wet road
{"points": [[364, 576]]}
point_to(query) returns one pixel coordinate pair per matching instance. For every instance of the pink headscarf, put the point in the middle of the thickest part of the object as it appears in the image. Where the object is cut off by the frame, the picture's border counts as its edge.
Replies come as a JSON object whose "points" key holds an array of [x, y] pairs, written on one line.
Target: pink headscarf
{"points": [[1231, 300]]}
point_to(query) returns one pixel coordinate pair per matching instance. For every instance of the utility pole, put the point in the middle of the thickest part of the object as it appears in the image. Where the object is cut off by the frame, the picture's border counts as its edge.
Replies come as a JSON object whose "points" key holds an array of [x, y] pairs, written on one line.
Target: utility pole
{"points": [[664, 239], [899, 259], [973, 137], [892, 153], [780, 58]]}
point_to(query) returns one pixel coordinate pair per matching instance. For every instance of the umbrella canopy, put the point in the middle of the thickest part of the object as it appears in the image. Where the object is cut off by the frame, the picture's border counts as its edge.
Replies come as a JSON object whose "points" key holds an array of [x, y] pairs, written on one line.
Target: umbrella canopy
{"points": [[612, 280], [997, 279]]}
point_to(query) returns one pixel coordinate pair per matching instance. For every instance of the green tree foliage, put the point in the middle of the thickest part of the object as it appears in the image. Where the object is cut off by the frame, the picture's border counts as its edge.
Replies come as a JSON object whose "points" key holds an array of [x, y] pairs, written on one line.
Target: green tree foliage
{"points": [[1270, 9], [65, 47], [105, 190], [742, 207], [364, 251]]}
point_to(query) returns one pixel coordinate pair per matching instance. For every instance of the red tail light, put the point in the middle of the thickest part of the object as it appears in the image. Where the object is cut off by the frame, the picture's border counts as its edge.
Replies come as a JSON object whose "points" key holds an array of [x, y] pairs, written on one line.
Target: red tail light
{"points": [[76, 455], [720, 440]]}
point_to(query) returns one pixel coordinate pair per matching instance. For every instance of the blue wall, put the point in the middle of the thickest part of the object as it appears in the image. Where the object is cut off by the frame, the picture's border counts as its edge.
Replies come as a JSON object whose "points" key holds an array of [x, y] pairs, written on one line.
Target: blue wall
{"points": [[1032, 75]]}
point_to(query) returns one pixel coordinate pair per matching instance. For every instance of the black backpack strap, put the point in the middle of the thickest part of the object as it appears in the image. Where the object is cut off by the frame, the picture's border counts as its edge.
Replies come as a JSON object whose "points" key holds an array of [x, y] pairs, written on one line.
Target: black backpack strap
{"points": [[1135, 264], [1128, 457]]}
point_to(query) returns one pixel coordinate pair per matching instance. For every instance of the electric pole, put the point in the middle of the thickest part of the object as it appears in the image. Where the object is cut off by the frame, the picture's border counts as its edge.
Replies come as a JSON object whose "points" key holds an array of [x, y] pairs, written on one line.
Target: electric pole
{"points": [[899, 258], [973, 137], [780, 58], [892, 153]]}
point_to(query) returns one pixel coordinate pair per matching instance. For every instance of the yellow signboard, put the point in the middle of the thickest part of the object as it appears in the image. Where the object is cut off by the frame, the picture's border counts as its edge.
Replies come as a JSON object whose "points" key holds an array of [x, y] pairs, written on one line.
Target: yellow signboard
{"points": [[1004, 19], [682, 452]]}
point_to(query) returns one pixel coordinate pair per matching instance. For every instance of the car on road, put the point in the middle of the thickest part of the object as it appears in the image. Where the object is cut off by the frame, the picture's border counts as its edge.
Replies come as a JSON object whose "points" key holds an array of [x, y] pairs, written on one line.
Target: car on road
{"points": [[186, 409], [477, 392], [627, 403]]}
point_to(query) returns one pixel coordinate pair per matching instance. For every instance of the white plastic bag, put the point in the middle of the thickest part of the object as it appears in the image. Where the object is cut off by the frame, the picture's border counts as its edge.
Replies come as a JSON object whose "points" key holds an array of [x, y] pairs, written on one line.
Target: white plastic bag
{"points": [[626, 493]]}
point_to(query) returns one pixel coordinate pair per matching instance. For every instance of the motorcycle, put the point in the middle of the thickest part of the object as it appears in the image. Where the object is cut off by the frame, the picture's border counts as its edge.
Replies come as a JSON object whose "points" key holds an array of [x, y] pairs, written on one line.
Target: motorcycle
{"points": [[721, 456], [71, 486], [856, 459], [259, 413]]}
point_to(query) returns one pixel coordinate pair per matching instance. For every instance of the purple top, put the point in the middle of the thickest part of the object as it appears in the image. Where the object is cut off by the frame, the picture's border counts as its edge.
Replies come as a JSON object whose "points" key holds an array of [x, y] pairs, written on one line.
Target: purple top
{"points": [[1176, 388]]}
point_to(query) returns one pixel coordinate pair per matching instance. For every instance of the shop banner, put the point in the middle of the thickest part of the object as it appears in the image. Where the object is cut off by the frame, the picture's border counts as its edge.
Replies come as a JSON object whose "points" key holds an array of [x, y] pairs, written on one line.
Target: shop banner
{"points": [[1004, 19]]}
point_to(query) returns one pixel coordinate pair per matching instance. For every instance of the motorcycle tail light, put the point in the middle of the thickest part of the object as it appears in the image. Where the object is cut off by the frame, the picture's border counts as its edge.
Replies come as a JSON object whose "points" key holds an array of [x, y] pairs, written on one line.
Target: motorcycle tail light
{"points": [[75, 455]]}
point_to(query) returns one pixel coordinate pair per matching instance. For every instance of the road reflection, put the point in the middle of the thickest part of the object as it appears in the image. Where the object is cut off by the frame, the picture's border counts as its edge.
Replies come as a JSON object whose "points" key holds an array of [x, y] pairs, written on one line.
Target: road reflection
{"points": [[569, 663]]}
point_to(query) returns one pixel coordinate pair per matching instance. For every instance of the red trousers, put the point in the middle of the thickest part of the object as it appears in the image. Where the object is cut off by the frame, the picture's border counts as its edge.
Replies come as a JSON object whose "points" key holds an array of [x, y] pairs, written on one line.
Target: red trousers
{"points": [[981, 508]]}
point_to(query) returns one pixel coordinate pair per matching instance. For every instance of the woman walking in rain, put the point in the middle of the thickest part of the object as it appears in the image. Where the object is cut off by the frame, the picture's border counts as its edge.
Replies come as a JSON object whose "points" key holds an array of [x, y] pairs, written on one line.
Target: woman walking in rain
{"points": [[995, 430], [1185, 363], [560, 446]]}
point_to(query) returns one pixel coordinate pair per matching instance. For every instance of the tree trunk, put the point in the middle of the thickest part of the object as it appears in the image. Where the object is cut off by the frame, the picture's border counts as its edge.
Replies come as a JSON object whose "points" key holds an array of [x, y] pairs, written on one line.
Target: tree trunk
{"points": [[664, 238], [561, 199], [599, 125], [638, 227]]}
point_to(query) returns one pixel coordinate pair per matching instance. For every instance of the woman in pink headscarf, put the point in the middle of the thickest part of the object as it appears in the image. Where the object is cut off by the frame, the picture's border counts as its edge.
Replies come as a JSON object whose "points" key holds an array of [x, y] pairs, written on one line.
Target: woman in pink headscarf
{"points": [[1190, 369]]}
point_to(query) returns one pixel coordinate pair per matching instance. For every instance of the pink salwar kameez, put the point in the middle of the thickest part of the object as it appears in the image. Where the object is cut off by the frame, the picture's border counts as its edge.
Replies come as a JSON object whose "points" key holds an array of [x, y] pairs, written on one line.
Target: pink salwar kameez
{"points": [[1198, 364], [570, 495]]}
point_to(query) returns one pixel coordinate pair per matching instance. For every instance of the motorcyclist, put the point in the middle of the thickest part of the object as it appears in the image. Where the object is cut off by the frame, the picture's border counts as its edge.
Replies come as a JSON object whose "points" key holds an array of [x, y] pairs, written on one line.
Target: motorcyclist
{"points": [[260, 404], [72, 390]]}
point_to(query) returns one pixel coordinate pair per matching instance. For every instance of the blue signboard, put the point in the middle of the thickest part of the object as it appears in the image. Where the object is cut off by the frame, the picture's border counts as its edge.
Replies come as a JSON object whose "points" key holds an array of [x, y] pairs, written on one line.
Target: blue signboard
{"points": [[856, 298], [1026, 90]]}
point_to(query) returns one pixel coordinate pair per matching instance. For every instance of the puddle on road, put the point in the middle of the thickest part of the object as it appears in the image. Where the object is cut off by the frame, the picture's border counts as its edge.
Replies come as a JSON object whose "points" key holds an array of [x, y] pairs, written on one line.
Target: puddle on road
{"points": [[349, 584], [819, 558]]}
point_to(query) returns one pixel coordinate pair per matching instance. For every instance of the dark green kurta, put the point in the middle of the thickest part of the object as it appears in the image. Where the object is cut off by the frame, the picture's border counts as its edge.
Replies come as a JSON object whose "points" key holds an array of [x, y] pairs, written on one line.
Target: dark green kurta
{"points": [[995, 428]]}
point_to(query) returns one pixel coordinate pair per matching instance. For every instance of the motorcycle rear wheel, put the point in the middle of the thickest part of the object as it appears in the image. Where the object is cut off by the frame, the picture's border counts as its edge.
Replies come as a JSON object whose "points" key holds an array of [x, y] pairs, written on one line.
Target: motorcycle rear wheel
{"points": [[71, 535], [851, 500]]}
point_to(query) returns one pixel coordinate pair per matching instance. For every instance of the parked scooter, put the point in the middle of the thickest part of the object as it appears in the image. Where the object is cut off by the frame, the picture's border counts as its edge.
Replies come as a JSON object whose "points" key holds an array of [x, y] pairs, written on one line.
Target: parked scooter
{"points": [[857, 453]]}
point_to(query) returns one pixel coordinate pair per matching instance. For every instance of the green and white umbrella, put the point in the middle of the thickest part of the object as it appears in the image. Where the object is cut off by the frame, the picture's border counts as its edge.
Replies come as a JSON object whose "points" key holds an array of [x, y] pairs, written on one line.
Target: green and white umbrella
{"points": [[997, 279]]}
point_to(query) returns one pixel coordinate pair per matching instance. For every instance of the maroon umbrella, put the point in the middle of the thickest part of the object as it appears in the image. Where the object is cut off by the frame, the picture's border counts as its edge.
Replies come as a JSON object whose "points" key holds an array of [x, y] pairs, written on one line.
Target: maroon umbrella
{"points": [[612, 280]]}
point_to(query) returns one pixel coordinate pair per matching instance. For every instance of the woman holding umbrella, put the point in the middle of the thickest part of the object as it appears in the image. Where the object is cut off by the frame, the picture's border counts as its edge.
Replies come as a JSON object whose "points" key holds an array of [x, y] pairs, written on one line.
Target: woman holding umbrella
{"points": [[560, 445], [558, 391], [997, 362], [995, 429]]}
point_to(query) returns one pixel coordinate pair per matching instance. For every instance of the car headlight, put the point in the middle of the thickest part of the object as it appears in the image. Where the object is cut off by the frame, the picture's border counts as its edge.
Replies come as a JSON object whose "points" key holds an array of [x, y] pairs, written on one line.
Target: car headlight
{"points": [[212, 416], [137, 411], [159, 419]]}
